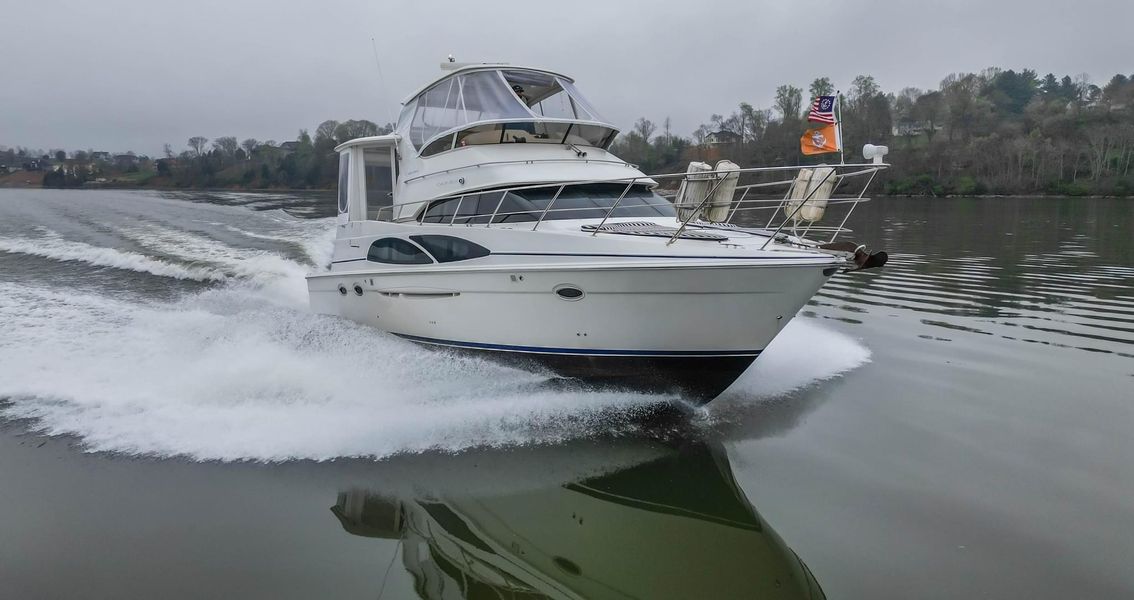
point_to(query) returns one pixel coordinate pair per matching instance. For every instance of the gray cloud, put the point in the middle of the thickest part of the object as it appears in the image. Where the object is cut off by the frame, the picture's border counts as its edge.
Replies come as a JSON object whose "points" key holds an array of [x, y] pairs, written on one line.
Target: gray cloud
{"points": [[120, 75]]}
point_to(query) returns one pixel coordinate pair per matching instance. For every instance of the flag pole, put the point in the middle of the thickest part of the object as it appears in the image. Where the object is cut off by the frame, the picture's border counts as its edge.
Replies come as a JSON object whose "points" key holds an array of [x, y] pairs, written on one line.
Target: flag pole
{"points": [[839, 126]]}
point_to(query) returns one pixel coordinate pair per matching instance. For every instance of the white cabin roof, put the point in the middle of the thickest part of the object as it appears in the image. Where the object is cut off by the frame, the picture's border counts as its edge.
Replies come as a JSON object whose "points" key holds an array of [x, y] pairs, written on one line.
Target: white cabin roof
{"points": [[374, 141]]}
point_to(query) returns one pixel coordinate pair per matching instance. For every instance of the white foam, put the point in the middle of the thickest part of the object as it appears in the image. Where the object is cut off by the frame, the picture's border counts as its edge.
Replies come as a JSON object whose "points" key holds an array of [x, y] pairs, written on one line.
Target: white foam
{"points": [[223, 376], [804, 353], [243, 372], [52, 245], [283, 278]]}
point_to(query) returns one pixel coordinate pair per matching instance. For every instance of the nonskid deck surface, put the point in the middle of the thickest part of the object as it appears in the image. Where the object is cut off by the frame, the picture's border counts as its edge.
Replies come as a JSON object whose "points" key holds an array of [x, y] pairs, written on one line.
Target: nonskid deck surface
{"points": [[698, 377]]}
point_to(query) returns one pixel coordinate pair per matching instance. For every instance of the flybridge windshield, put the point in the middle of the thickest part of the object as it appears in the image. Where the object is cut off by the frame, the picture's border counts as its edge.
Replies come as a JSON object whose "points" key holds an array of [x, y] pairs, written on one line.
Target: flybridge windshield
{"points": [[461, 100], [477, 96], [549, 96]]}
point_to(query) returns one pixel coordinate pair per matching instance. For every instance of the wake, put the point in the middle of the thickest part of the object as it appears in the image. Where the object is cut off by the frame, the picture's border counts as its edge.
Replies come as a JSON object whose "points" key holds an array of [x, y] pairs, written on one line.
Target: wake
{"points": [[243, 371]]}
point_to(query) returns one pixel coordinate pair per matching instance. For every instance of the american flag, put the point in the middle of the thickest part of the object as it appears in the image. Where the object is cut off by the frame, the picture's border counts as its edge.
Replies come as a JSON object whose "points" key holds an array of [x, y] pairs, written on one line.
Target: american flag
{"points": [[822, 110]]}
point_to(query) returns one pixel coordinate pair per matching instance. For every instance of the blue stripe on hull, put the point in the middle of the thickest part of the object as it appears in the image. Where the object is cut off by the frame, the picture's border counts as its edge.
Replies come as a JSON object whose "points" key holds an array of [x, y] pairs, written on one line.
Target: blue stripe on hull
{"points": [[576, 351]]}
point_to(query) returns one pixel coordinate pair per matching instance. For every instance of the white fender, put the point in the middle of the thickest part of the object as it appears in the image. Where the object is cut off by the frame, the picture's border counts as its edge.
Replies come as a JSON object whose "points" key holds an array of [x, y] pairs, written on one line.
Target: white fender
{"points": [[817, 185], [694, 190], [717, 209]]}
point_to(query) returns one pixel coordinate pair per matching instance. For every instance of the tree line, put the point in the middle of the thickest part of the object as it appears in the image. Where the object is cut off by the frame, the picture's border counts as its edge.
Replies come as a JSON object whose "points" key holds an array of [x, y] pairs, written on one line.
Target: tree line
{"points": [[994, 132], [308, 162]]}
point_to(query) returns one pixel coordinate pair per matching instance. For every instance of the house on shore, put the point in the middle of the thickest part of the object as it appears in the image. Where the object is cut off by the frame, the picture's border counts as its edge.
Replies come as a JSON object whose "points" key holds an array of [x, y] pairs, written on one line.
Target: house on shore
{"points": [[721, 138], [913, 128], [125, 161]]}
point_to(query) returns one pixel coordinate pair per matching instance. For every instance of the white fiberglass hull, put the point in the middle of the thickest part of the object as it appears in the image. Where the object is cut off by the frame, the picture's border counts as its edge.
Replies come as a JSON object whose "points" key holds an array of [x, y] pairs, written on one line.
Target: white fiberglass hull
{"points": [[688, 325]]}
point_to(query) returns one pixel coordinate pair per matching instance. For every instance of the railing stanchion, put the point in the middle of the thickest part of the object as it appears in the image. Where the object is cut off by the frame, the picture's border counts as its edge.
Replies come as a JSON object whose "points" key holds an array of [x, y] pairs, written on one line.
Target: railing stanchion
{"points": [[498, 205], [697, 210], [835, 233], [737, 207], [614, 206], [548, 207], [457, 210]]}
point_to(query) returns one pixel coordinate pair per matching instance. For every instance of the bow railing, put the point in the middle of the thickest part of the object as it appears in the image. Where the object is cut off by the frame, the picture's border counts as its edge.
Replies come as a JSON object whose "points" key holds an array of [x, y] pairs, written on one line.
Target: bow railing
{"points": [[793, 201]]}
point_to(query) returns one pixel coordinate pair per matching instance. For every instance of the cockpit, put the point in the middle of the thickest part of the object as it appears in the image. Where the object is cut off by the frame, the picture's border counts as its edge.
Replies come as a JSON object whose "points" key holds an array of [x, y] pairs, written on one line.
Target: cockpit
{"points": [[501, 105]]}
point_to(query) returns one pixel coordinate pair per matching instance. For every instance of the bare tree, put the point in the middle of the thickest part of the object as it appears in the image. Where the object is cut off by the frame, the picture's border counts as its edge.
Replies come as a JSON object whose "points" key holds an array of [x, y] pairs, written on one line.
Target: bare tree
{"points": [[753, 122], [701, 133], [644, 128], [197, 143], [325, 133], [226, 145], [927, 109], [863, 89], [249, 145], [789, 101], [821, 87]]}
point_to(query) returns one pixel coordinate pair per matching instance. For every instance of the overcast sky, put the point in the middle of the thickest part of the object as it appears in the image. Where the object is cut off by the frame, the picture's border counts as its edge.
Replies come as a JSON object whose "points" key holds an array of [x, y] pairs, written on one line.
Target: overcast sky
{"points": [[116, 76]]}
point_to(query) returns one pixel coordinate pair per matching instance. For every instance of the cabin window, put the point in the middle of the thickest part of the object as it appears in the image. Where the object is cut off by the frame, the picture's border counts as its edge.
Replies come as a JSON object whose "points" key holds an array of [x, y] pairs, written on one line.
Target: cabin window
{"points": [[538, 132], [490, 133], [396, 251], [446, 248], [590, 135], [438, 145], [344, 178], [479, 208], [588, 201]]}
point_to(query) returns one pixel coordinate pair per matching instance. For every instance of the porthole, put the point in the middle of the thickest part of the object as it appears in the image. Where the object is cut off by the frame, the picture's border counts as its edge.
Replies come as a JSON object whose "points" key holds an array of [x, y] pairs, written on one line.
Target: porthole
{"points": [[569, 292], [342, 289], [357, 289]]}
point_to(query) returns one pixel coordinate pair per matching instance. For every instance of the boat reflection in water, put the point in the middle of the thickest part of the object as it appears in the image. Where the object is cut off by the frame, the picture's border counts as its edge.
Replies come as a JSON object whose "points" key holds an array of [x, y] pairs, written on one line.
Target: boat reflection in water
{"points": [[674, 526]]}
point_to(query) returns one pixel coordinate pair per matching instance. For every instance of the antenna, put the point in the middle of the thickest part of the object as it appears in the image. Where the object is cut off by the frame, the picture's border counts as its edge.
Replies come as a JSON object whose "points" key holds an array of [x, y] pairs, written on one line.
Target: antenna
{"points": [[382, 82]]}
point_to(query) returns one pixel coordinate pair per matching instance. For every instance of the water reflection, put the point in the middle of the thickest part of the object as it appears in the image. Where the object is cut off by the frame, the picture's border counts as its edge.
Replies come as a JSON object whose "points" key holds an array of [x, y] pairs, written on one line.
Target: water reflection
{"points": [[1056, 272], [674, 524]]}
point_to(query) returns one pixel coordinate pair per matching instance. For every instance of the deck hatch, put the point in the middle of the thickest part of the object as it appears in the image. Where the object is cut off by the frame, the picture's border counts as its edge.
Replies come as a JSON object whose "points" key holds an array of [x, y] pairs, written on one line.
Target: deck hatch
{"points": [[645, 228]]}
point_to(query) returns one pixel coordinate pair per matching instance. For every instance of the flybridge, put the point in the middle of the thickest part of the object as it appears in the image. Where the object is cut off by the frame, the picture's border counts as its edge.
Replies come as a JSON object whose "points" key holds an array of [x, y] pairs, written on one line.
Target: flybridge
{"points": [[499, 104]]}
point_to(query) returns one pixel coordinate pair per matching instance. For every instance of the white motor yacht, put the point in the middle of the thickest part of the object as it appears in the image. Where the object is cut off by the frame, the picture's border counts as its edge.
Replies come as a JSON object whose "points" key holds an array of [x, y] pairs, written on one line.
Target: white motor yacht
{"points": [[494, 220]]}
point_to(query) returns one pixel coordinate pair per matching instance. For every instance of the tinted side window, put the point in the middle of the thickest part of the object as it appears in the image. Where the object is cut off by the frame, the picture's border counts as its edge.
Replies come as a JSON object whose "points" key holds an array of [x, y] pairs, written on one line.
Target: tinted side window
{"points": [[446, 248], [395, 251]]}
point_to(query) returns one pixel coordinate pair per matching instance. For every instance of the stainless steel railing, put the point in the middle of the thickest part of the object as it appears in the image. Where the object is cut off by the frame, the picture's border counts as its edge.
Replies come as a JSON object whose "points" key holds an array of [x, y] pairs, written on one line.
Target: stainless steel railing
{"points": [[764, 196]]}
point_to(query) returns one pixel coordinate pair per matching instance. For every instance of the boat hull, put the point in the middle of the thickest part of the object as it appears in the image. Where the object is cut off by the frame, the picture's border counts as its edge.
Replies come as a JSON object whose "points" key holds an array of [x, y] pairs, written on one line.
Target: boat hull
{"points": [[693, 329], [696, 378]]}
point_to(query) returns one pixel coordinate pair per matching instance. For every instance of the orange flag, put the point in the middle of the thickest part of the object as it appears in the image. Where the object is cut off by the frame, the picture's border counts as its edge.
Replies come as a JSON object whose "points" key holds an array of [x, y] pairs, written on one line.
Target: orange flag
{"points": [[820, 140]]}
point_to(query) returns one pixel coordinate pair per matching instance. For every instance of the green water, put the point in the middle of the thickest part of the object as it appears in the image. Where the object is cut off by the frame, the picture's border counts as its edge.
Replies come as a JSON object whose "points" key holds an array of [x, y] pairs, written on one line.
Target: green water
{"points": [[955, 425]]}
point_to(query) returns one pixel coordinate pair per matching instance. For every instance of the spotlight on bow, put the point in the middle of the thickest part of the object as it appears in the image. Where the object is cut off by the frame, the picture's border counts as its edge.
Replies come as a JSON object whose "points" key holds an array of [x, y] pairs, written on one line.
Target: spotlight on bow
{"points": [[874, 153]]}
